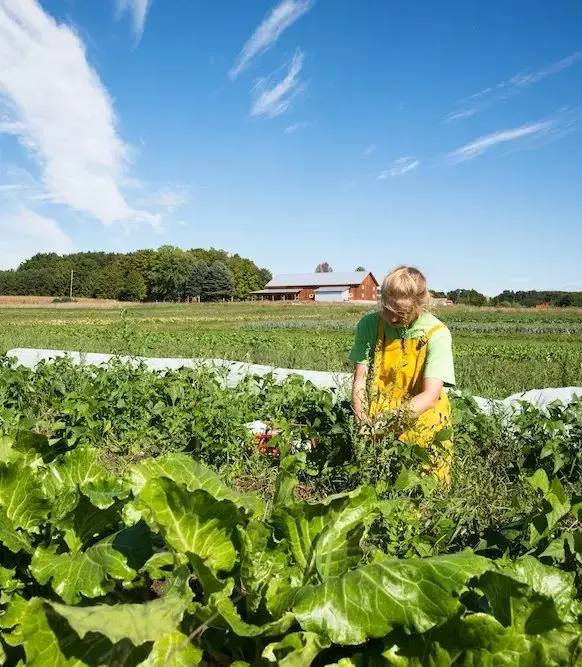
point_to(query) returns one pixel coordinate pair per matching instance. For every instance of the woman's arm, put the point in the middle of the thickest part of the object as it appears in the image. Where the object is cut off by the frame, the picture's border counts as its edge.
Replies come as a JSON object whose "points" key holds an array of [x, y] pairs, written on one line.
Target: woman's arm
{"points": [[428, 397], [359, 397]]}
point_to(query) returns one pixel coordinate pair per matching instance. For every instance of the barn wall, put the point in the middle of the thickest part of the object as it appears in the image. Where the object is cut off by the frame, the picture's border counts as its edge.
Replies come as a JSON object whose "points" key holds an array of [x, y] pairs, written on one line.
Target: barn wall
{"points": [[367, 291]]}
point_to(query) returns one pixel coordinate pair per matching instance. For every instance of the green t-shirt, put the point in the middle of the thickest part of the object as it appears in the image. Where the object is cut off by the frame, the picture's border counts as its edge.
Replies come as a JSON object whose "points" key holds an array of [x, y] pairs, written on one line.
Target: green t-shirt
{"points": [[439, 358]]}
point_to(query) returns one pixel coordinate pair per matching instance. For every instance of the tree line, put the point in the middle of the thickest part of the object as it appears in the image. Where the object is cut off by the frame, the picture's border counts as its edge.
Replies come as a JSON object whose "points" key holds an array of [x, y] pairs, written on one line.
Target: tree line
{"points": [[508, 298], [165, 274]]}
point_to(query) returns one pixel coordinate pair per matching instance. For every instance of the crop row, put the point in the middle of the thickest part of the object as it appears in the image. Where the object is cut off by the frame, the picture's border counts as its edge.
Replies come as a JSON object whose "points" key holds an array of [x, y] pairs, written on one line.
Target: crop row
{"points": [[140, 525]]}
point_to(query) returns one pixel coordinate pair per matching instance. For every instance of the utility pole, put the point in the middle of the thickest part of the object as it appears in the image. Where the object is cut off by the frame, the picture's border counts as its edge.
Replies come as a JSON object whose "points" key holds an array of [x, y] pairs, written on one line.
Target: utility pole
{"points": [[71, 288]]}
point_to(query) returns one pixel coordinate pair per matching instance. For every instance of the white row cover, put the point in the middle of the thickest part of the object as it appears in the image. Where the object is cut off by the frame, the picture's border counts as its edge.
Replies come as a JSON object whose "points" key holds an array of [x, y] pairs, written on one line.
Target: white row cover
{"points": [[237, 370]]}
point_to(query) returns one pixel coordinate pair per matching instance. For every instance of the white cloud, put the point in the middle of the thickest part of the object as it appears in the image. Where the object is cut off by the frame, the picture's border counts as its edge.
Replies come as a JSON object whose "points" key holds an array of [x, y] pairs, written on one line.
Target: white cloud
{"points": [[24, 233], [268, 32], [401, 166], [169, 197], [139, 11], [276, 100], [480, 145], [62, 113], [370, 149], [489, 96], [295, 127]]}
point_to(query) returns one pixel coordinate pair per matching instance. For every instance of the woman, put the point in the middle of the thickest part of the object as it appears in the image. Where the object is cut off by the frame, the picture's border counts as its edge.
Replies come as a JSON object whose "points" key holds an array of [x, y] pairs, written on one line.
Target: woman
{"points": [[404, 359]]}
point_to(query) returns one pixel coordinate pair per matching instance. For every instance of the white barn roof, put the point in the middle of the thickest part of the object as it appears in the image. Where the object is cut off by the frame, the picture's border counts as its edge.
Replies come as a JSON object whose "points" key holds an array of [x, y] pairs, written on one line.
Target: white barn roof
{"points": [[332, 279]]}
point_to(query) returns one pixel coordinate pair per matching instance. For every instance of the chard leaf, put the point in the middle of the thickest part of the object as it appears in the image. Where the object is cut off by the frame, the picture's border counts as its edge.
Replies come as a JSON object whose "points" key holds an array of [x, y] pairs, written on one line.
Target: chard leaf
{"points": [[82, 468], [104, 492], [415, 594], [173, 650], [221, 612], [140, 623], [8, 582], [261, 560], [182, 469], [48, 639], [14, 540], [326, 536], [89, 573], [22, 498], [192, 522], [530, 596], [79, 467], [87, 521], [298, 649], [479, 639]]}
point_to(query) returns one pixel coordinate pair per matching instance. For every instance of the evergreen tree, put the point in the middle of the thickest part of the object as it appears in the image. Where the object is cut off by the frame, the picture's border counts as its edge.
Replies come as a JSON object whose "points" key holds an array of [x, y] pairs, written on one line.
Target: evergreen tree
{"points": [[219, 283], [197, 280]]}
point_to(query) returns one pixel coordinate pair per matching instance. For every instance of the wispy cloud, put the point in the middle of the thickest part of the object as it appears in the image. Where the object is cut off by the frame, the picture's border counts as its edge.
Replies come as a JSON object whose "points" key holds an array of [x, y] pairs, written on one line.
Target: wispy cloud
{"points": [[62, 113], [480, 145], [489, 96], [24, 233], [169, 197], [370, 149], [281, 17], [295, 127], [139, 12], [274, 101], [401, 166]]}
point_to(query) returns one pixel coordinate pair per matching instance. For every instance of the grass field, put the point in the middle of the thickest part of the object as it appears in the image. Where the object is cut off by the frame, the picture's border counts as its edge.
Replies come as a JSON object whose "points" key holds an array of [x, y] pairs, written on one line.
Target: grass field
{"points": [[497, 352]]}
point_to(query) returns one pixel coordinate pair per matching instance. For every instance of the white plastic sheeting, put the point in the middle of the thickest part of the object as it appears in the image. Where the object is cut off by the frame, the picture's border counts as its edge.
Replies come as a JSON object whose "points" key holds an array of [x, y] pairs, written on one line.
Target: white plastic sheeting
{"points": [[235, 371]]}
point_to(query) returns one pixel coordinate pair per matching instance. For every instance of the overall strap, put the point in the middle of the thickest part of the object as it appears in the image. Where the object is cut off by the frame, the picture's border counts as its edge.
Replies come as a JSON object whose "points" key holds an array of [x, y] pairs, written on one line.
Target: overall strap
{"points": [[380, 330], [434, 329]]}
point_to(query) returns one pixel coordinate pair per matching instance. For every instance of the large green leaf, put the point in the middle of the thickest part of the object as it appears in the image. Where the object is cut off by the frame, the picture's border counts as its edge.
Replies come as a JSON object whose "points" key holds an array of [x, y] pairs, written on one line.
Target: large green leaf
{"points": [[415, 594], [532, 597], [90, 573], [13, 539], [83, 468], [192, 522], [87, 522], [104, 492], [8, 581], [221, 612], [326, 536], [173, 650], [182, 469], [140, 623], [298, 649], [261, 560], [79, 466], [22, 498], [48, 640], [480, 640]]}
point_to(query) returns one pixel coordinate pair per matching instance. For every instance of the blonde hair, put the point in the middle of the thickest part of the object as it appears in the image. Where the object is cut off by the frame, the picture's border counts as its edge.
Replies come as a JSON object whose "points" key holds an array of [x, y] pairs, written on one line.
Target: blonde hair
{"points": [[405, 294]]}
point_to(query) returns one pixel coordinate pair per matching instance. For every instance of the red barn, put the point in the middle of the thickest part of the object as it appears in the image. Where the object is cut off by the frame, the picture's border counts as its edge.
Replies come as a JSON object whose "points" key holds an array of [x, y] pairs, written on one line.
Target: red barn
{"points": [[321, 287]]}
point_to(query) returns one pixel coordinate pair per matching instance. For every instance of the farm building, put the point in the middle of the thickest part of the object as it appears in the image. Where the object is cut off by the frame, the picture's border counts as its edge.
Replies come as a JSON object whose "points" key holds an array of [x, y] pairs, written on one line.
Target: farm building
{"points": [[321, 287]]}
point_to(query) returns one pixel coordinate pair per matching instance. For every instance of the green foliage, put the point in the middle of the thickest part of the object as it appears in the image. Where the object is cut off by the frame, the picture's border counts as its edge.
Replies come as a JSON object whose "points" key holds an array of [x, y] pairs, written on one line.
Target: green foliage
{"points": [[219, 283], [467, 297], [112, 555], [156, 275]]}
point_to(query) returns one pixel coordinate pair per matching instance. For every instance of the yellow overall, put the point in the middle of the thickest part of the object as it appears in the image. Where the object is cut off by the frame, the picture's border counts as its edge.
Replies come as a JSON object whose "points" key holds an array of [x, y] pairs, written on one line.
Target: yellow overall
{"points": [[398, 375]]}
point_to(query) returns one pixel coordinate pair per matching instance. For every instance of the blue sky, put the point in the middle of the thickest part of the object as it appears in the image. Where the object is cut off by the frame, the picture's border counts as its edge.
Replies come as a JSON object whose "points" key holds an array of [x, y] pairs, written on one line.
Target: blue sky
{"points": [[373, 132]]}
